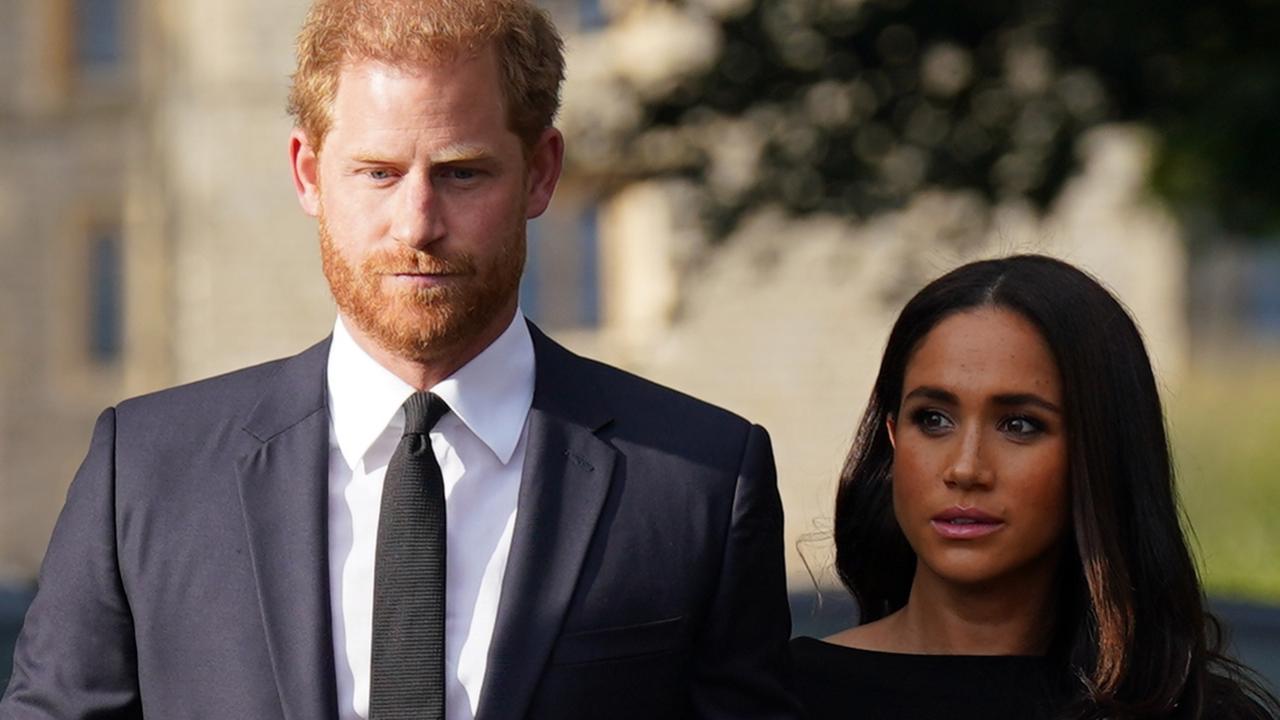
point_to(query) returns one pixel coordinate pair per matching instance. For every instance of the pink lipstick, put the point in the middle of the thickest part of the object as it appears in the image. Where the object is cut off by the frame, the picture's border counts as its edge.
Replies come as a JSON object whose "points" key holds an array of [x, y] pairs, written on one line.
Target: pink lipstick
{"points": [[959, 523]]}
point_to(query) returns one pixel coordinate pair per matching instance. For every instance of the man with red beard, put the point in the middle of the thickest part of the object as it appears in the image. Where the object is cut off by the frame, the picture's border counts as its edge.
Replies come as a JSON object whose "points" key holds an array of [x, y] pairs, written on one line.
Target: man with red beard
{"points": [[437, 512]]}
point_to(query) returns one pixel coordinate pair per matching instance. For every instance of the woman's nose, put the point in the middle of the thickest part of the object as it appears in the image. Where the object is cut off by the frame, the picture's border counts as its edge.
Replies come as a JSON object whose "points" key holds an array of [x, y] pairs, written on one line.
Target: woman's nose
{"points": [[966, 467]]}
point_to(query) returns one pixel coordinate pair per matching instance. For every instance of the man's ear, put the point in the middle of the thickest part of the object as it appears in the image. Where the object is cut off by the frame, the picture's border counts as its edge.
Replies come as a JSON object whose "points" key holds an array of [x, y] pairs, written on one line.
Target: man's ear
{"points": [[891, 424], [545, 163], [305, 162]]}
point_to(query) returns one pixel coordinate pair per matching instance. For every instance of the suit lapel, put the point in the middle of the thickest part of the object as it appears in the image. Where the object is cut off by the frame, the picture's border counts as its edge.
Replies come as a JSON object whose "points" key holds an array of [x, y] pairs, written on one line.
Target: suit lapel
{"points": [[566, 479], [284, 496]]}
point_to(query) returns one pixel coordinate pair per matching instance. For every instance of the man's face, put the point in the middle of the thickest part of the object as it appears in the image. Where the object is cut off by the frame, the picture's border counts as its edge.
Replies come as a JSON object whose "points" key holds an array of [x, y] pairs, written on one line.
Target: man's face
{"points": [[422, 193]]}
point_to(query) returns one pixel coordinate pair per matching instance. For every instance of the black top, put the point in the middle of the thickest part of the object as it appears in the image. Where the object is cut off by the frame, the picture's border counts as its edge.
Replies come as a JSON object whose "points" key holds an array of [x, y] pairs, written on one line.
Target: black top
{"points": [[846, 683]]}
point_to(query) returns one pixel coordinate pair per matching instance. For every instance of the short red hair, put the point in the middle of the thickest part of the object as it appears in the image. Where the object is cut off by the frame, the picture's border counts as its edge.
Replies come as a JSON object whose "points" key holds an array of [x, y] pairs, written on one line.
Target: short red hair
{"points": [[408, 32]]}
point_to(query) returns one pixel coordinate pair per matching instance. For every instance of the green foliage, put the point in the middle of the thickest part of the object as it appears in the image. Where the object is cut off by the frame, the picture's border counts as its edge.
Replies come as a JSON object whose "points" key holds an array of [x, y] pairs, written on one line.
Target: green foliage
{"points": [[1226, 435], [860, 103]]}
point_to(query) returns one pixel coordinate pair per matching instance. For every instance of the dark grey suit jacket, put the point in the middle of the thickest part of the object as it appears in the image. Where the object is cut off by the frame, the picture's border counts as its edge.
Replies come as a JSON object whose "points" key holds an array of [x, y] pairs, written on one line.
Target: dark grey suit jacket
{"points": [[187, 574]]}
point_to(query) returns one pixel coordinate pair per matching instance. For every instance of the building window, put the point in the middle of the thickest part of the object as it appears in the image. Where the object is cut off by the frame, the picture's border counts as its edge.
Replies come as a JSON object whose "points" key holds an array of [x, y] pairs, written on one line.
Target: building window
{"points": [[573, 16], [561, 287], [589, 267], [531, 282], [1262, 283], [590, 15], [106, 290], [99, 39]]}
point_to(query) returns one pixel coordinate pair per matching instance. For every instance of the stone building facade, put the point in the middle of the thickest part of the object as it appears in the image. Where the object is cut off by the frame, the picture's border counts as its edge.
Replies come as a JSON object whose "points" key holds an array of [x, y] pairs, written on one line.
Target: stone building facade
{"points": [[149, 233], [149, 236]]}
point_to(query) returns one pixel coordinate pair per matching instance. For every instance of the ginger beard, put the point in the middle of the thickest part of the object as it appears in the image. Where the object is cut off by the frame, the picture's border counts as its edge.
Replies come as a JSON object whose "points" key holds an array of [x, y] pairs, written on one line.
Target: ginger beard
{"points": [[421, 324]]}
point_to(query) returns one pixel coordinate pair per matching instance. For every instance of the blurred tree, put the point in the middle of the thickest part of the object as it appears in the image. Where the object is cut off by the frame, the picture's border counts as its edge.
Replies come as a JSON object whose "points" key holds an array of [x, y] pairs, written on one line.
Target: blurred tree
{"points": [[850, 106]]}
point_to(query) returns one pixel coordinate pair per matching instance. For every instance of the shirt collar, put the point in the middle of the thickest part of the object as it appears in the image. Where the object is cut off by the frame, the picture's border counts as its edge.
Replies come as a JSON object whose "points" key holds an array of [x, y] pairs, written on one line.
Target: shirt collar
{"points": [[491, 394]]}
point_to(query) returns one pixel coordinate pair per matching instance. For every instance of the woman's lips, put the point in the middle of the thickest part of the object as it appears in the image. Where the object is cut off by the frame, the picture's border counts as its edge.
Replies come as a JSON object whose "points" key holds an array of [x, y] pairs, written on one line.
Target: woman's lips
{"points": [[965, 523]]}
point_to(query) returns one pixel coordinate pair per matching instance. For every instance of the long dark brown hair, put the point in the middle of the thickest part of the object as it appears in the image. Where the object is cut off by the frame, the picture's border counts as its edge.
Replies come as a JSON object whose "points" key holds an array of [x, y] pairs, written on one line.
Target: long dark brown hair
{"points": [[1132, 634]]}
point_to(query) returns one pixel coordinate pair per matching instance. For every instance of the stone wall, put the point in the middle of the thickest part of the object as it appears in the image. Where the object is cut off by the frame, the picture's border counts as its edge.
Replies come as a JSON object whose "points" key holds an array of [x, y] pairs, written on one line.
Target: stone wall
{"points": [[60, 179], [186, 150]]}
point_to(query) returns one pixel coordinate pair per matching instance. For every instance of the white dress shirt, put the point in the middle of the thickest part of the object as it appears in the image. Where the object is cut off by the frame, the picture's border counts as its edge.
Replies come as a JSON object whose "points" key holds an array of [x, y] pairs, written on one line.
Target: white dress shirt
{"points": [[480, 446]]}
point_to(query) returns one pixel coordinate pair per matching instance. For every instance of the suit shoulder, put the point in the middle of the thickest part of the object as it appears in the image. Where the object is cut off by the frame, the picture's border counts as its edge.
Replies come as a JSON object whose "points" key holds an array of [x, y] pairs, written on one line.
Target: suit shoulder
{"points": [[623, 386], [228, 396], [221, 390], [646, 414]]}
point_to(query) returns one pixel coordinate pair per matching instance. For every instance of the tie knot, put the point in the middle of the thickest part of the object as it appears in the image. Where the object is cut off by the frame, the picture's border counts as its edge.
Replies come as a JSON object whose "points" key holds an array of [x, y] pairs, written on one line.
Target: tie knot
{"points": [[422, 411]]}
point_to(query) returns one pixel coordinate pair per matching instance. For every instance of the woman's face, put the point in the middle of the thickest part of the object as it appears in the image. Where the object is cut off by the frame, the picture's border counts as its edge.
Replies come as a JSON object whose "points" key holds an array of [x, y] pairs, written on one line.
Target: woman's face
{"points": [[980, 451]]}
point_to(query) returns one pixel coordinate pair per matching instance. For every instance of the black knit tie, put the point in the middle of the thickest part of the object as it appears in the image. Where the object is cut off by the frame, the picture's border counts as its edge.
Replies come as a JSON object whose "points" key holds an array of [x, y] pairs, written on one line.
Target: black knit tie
{"points": [[407, 680]]}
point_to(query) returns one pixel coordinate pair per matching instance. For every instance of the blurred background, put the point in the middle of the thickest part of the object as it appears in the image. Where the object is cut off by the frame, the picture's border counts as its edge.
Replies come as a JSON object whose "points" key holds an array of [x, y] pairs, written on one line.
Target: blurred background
{"points": [[754, 188]]}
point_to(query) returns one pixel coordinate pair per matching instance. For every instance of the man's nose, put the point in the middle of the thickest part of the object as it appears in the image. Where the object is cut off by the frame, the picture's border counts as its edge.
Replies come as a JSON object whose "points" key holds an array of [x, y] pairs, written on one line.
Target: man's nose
{"points": [[419, 217], [966, 466]]}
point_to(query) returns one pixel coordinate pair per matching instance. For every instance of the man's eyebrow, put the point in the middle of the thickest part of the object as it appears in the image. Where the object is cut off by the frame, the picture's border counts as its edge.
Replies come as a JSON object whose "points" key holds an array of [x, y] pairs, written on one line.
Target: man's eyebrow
{"points": [[461, 152], [457, 153], [371, 157]]}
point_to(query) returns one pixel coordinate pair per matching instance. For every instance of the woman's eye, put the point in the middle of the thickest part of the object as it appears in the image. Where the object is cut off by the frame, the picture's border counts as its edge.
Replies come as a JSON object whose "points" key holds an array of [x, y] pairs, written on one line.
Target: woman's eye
{"points": [[1021, 426], [931, 421]]}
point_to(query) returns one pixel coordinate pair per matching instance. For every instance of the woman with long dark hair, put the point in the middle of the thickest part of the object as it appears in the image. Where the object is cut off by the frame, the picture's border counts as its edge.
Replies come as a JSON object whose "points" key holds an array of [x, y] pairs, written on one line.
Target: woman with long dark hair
{"points": [[1007, 521]]}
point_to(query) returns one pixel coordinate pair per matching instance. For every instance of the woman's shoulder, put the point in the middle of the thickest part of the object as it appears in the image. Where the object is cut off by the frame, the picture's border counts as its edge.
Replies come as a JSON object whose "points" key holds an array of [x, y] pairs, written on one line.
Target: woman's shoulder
{"points": [[834, 679], [826, 656], [1235, 693]]}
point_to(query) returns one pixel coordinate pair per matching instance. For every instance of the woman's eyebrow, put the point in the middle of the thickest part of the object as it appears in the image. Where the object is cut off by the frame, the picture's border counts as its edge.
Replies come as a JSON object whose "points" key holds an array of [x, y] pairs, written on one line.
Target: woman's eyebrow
{"points": [[1005, 399], [1010, 399], [932, 393]]}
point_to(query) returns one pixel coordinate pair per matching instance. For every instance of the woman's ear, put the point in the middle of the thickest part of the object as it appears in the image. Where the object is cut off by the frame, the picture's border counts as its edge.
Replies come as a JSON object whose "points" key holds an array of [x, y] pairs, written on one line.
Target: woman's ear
{"points": [[891, 424]]}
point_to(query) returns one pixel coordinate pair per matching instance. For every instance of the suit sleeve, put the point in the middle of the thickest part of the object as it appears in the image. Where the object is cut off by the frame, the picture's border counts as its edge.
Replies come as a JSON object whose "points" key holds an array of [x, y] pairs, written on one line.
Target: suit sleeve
{"points": [[75, 657], [742, 670]]}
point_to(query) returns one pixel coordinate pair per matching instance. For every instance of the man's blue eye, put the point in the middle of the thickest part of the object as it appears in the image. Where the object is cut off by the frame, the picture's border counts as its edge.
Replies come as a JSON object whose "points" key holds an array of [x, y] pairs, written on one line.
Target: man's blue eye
{"points": [[380, 174]]}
